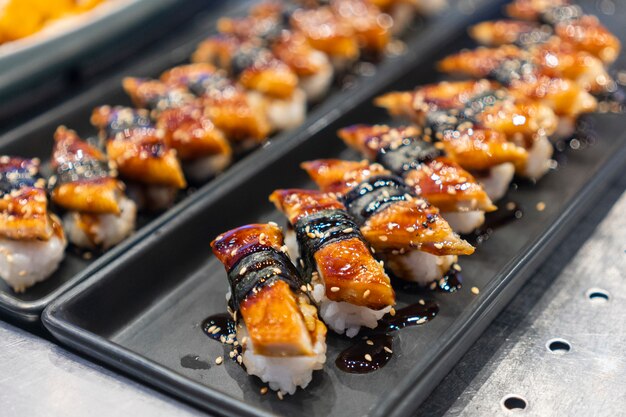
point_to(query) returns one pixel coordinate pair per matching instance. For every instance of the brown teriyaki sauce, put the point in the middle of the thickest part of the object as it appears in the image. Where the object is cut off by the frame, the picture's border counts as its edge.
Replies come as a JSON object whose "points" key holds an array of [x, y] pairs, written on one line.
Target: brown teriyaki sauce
{"points": [[506, 213], [222, 328], [373, 348]]}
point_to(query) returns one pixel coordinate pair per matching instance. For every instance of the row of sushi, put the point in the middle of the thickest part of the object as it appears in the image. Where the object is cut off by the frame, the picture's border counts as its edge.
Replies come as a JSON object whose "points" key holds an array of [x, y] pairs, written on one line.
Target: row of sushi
{"points": [[401, 209], [252, 79]]}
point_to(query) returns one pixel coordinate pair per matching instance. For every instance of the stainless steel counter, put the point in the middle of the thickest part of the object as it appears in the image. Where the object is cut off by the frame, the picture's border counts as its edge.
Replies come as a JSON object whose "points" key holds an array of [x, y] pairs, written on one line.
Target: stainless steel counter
{"points": [[512, 358]]}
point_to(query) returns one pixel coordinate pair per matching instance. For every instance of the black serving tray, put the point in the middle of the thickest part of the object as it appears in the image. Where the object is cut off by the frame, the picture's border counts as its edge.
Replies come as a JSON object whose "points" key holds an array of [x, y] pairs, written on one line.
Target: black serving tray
{"points": [[34, 139], [142, 313]]}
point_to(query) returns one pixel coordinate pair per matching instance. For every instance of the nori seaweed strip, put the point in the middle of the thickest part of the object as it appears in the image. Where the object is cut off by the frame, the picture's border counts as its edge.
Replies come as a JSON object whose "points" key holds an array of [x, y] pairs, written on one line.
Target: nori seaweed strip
{"points": [[534, 37], [21, 173], [119, 121], [451, 119], [374, 194], [332, 225], [261, 266], [410, 154], [512, 69], [81, 170]]}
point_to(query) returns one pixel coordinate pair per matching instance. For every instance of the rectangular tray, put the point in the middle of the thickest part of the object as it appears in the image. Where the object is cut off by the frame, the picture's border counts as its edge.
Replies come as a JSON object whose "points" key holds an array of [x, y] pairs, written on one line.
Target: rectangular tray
{"points": [[34, 139], [142, 314]]}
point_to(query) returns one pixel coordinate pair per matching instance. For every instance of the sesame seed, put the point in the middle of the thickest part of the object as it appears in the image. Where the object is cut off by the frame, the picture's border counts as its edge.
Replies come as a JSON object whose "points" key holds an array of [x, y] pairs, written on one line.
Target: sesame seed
{"points": [[243, 270], [232, 353], [475, 290], [239, 359], [392, 312], [541, 206], [276, 270], [219, 360], [369, 342], [334, 289], [383, 238], [457, 267], [311, 235], [368, 357], [348, 230], [433, 285], [366, 293], [387, 349], [273, 224], [303, 288], [510, 205], [244, 341], [421, 302], [410, 229], [22, 273], [284, 249], [264, 390], [280, 395], [233, 252], [210, 329], [216, 330], [438, 245]]}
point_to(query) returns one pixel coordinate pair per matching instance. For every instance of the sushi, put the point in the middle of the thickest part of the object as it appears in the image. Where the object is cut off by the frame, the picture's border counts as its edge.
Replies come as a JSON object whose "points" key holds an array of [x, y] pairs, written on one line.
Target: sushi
{"points": [[232, 110], [140, 155], [99, 215], [32, 242], [525, 78], [403, 12], [350, 287], [258, 70], [409, 234], [468, 104], [485, 152], [313, 68], [180, 116], [282, 339]]}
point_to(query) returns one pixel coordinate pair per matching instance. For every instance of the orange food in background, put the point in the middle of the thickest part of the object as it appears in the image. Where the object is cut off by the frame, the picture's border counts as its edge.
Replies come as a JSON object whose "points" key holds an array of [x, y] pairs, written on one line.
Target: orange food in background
{"points": [[20, 18]]}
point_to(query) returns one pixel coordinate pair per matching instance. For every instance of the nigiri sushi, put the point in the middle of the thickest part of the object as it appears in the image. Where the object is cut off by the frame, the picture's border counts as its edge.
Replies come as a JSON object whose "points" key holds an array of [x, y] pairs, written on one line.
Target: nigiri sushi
{"points": [[180, 116], [416, 243], [257, 69], [371, 26], [232, 110], [283, 340], [32, 242], [350, 287], [139, 153], [99, 215], [403, 11], [468, 104], [400, 149], [313, 68]]}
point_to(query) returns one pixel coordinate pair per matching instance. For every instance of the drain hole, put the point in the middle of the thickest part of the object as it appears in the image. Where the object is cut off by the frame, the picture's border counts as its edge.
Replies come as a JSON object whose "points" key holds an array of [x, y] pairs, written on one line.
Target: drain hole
{"points": [[514, 403], [598, 295], [559, 346]]}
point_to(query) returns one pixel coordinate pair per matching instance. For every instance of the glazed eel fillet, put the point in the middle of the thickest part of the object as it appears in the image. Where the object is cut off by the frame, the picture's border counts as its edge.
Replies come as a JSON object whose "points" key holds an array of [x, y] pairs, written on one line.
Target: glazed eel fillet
{"points": [[258, 70], [283, 340], [228, 105], [409, 234], [186, 126], [140, 154], [486, 153], [463, 105], [350, 287], [32, 242], [99, 215]]}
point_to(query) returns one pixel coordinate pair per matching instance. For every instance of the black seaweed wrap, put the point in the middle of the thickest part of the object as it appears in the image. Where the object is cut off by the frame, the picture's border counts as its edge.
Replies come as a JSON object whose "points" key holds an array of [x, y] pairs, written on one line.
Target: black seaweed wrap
{"points": [[245, 58], [450, 119], [409, 155], [559, 14], [534, 37], [207, 84], [81, 170], [374, 194], [511, 70], [17, 178], [332, 225], [118, 124], [262, 266]]}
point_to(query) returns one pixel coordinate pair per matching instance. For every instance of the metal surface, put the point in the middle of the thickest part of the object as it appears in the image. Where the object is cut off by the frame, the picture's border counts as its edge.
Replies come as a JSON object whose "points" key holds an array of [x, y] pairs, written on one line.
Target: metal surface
{"points": [[38, 378], [512, 357]]}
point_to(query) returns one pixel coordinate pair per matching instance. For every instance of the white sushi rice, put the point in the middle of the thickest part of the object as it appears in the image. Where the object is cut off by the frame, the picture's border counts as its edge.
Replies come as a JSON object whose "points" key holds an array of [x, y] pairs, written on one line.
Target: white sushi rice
{"points": [[496, 182], [287, 114], [340, 316], [316, 86], [464, 222], [109, 230], [23, 263], [420, 267], [284, 374], [403, 14], [201, 169], [564, 129], [539, 156]]}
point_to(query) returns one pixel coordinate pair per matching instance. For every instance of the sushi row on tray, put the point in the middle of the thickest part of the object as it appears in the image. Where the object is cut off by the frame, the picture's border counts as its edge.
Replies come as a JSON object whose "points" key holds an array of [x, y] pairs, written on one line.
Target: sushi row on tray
{"points": [[252, 79], [401, 209]]}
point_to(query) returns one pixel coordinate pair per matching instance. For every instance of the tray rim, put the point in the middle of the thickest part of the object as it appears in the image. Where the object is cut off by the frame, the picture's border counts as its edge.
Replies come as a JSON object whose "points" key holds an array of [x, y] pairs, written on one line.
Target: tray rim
{"points": [[334, 106]]}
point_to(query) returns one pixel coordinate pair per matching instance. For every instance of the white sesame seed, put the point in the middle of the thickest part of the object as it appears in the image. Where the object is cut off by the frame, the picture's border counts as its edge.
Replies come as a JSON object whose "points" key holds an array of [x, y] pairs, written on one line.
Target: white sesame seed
{"points": [[421, 302], [368, 357], [541, 206], [369, 342], [219, 360], [457, 267], [383, 238], [243, 270], [438, 245], [303, 288], [263, 390], [273, 224], [387, 349], [334, 289], [348, 230], [280, 395], [475, 290], [239, 359], [366, 293], [392, 312]]}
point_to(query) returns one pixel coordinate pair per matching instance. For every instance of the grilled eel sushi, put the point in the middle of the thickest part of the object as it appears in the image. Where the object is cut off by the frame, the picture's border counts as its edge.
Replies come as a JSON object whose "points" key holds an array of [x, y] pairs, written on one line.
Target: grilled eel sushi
{"points": [[231, 109], [282, 339], [99, 215], [186, 127], [409, 234], [140, 155], [468, 104], [32, 242], [350, 287], [485, 152], [508, 63], [515, 69], [581, 33], [313, 68], [258, 70]]}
